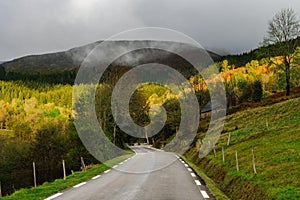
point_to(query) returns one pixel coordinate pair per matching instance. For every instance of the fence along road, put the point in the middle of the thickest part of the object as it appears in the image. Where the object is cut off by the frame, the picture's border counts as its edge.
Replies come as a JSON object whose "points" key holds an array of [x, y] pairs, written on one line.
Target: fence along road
{"points": [[166, 177]]}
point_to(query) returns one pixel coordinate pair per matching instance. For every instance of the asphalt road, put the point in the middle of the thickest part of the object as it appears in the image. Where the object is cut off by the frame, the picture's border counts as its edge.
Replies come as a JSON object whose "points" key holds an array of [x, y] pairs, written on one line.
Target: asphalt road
{"points": [[150, 174]]}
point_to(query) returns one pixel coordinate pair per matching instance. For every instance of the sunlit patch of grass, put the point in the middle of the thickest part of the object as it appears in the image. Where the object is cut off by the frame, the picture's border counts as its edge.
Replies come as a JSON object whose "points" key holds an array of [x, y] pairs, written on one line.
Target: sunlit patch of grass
{"points": [[274, 131]]}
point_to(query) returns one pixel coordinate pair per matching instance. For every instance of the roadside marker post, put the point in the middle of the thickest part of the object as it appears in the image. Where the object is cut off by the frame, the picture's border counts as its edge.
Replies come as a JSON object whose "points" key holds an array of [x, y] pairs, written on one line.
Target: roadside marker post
{"points": [[64, 169], [223, 156], [237, 161], [34, 174]]}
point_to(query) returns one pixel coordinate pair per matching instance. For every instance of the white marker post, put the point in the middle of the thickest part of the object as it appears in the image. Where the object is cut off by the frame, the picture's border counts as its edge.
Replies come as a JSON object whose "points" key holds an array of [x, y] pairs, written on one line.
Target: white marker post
{"points": [[64, 169], [34, 174], [223, 156], [228, 141], [237, 161], [253, 161], [82, 164]]}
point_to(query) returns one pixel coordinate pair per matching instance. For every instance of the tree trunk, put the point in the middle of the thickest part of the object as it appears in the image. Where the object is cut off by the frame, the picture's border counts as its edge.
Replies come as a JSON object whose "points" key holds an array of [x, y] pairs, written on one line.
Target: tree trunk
{"points": [[287, 76]]}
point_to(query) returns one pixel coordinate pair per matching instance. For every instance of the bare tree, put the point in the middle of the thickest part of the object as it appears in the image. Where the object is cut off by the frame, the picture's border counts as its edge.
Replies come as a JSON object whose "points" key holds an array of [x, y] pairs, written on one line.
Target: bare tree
{"points": [[283, 29]]}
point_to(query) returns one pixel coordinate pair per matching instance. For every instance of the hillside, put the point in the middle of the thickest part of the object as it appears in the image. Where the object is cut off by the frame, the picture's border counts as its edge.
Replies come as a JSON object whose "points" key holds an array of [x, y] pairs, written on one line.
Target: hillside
{"points": [[71, 59], [259, 53], [274, 133]]}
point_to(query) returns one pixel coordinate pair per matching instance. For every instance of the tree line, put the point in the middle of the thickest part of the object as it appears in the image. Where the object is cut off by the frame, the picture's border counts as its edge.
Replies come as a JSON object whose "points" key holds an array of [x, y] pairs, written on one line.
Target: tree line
{"points": [[37, 118]]}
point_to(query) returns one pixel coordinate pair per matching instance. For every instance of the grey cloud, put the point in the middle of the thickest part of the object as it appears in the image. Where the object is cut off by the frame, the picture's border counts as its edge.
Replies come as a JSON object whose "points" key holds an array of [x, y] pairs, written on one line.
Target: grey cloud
{"points": [[39, 26]]}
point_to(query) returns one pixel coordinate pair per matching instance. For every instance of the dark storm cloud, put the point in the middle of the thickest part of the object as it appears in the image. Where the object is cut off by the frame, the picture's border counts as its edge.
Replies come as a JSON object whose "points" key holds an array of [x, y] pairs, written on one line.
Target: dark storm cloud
{"points": [[38, 26]]}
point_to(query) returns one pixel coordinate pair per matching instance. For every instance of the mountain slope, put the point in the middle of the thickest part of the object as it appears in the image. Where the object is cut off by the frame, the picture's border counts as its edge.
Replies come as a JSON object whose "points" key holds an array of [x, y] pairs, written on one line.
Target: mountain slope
{"points": [[71, 59]]}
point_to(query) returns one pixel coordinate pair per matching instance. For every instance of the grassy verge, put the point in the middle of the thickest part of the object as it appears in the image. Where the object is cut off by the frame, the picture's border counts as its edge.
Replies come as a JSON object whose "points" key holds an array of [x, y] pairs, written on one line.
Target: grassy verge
{"points": [[274, 131], [49, 188], [211, 185]]}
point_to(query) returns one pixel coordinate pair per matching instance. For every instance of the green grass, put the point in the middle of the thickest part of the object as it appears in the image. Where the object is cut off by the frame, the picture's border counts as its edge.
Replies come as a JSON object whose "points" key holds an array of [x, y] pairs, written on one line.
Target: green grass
{"points": [[276, 147], [7, 133], [50, 188], [211, 185]]}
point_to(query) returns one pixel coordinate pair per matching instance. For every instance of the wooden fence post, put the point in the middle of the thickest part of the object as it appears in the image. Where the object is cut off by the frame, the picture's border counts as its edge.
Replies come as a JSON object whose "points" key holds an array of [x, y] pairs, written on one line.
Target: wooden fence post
{"points": [[253, 161], [64, 169], [237, 161], [34, 174], [228, 141], [200, 142], [223, 156], [0, 190], [82, 163]]}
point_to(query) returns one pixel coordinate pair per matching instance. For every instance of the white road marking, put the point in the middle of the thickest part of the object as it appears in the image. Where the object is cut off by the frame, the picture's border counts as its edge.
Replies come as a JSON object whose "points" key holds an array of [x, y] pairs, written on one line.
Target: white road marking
{"points": [[96, 177], [197, 182], [182, 162], [115, 166], [186, 165], [176, 156], [79, 185], [53, 196], [193, 175], [121, 163], [204, 194], [189, 169], [107, 171]]}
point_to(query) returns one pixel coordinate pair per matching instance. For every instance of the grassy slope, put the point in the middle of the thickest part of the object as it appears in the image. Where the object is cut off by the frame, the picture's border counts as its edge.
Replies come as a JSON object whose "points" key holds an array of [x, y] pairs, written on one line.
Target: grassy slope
{"points": [[47, 189], [277, 153], [211, 185]]}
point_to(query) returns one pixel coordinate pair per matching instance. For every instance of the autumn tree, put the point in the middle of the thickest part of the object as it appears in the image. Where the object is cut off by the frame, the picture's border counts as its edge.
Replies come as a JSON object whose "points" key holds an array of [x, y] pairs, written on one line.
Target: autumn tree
{"points": [[283, 29]]}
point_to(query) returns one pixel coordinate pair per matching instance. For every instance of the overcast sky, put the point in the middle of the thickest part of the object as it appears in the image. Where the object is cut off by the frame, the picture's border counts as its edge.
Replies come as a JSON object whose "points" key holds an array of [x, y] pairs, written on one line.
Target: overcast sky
{"points": [[39, 26]]}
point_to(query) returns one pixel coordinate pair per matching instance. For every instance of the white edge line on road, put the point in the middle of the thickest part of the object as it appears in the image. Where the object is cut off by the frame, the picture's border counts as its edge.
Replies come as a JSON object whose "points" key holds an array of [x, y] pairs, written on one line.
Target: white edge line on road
{"points": [[79, 185], [189, 169], [115, 166], [83, 183], [197, 182], [96, 177], [193, 175], [54, 196], [186, 165], [182, 162], [204, 194]]}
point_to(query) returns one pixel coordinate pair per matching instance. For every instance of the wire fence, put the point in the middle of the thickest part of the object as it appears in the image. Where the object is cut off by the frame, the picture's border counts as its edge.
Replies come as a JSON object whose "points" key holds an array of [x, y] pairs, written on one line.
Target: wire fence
{"points": [[254, 130], [31, 176]]}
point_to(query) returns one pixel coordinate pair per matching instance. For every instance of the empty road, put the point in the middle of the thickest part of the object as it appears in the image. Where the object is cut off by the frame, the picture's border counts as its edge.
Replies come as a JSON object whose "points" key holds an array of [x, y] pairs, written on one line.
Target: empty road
{"points": [[150, 174]]}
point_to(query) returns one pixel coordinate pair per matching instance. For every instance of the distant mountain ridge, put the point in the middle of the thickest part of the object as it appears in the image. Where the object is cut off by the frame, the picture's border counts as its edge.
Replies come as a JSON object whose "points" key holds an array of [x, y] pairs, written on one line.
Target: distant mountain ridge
{"points": [[71, 59]]}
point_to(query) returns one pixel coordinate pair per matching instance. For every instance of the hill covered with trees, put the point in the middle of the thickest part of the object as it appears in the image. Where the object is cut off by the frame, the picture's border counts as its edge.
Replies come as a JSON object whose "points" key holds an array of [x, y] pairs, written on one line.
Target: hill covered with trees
{"points": [[37, 115]]}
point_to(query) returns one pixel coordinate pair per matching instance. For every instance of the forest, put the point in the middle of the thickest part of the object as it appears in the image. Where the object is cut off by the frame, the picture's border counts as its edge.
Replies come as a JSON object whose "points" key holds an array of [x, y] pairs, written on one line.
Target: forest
{"points": [[36, 117], [37, 111]]}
